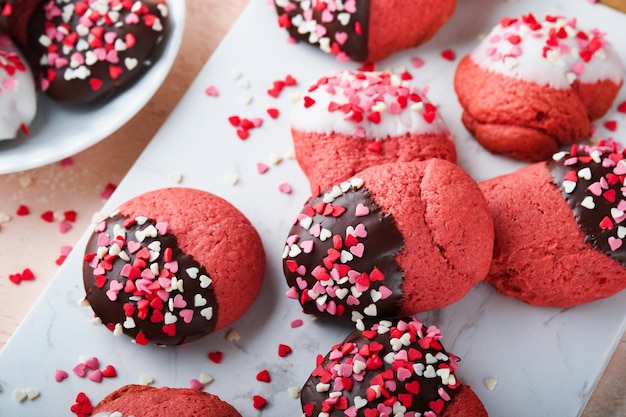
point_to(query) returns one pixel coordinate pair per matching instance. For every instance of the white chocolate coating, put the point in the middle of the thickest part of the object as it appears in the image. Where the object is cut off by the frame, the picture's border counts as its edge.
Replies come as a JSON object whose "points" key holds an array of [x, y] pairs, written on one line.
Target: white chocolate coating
{"points": [[369, 92], [549, 51], [18, 101]]}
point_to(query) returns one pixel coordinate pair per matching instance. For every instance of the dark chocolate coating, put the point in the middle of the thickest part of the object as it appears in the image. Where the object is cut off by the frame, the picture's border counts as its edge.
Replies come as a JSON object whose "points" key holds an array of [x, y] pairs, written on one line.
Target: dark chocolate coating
{"points": [[355, 45], [416, 387], [139, 31], [382, 243], [149, 320], [598, 224]]}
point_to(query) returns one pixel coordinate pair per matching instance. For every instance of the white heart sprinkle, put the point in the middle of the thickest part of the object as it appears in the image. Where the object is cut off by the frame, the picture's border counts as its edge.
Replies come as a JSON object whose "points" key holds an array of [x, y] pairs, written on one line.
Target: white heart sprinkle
{"points": [[129, 323], [294, 251], [19, 395], [294, 392], [376, 295], [345, 256], [306, 222], [199, 301], [621, 232], [371, 310], [207, 313], [344, 18], [205, 281], [131, 63], [205, 378], [585, 173], [430, 358], [192, 272], [418, 368], [341, 293], [325, 234], [32, 393], [360, 402], [146, 380], [569, 186], [430, 372], [588, 203]]}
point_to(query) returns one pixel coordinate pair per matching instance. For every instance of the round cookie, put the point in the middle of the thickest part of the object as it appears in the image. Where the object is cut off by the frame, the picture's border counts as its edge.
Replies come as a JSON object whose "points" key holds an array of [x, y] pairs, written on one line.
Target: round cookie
{"points": [[145, 401], [18, 100], [392, 368], [534, 85], [88, 50], [363, 30], [352, 120], [560, 228], [397, 239], [172, 265]]}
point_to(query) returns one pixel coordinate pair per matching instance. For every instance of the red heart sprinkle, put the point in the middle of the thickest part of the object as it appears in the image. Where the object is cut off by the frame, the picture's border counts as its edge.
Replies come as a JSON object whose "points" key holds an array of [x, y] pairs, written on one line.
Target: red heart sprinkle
{"points": [[243, 134], [308, 102], [48, 216], [70, 215], [448, 54], [259, 402], [109, 372], [273, 112], [284, 350], [611, 125], [28, 275], [413, 387], [15, 278], [22, 210], [622, 107], [374, 146], [115, 71], [290, 81], [95, 84], [141, 339], [216, 357], [263, 376], [436, 406]]}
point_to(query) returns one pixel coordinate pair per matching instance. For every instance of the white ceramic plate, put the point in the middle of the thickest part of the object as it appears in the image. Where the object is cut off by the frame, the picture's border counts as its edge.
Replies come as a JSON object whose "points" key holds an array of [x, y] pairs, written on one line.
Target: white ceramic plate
{"points": [[546, 360], [59, 131]]}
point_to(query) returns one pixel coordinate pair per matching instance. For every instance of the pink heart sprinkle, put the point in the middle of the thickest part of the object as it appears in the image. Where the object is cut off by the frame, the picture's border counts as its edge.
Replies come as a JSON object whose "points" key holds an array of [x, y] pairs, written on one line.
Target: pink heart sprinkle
{"points": [[296, 323], [350, 6], [301, 283], [285, 188], [100, 53], [359, 230], [110, 37], [133, 246], [615, 243], [95, 376], [578, 68], [352, 301], [315, 230], [307, 246], [64, 226], [112, 56], [171, 266], [262, 168], [327, 16], [308, 14], [320, 30], [80, 370], [92, 363], [114, 289], [103, 239], [292, 293], [131, 19], [179, 301], [357, 250], [256, 121], [194, 384], [385, 292], [417, 62], [161, 228], [301, 270], [211, 91], [341, 37], [361, 210], [60, 375], [186, 314], [9, 83]]}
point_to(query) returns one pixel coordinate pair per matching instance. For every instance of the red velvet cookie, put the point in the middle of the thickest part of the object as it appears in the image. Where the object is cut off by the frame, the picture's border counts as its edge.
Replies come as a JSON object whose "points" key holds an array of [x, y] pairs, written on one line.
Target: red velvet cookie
{"points": [[172, 265], [560, 228], [394, 240], [363, 30], [534, 85], [144, 401], [86, 50], [18, 101], [392, 368], [350, 121]]}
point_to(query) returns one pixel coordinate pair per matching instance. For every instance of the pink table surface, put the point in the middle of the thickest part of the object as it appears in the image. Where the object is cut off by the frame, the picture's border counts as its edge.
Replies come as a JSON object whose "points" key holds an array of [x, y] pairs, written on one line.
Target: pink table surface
{"points": [[78, 185]]}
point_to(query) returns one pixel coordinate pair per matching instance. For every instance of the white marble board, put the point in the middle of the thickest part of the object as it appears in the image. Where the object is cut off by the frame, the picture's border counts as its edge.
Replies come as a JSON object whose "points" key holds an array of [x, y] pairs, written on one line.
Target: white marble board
{"points": [[546, 360]]}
